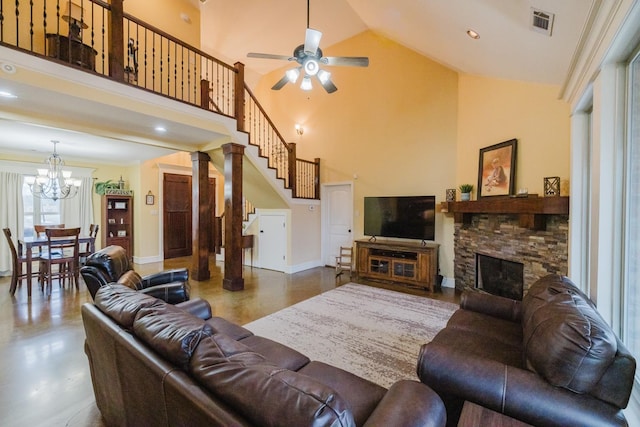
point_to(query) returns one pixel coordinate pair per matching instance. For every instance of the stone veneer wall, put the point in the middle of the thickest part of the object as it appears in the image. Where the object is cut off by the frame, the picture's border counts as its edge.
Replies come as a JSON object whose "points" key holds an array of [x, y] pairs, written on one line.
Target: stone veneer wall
{"points": [[499, 236]]}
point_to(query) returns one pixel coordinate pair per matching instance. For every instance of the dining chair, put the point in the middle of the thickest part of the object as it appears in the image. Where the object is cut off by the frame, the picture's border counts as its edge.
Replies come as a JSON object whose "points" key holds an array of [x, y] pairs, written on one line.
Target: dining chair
{"points": [[88, 248], [63, 250], [40, 228], [18, 258]]}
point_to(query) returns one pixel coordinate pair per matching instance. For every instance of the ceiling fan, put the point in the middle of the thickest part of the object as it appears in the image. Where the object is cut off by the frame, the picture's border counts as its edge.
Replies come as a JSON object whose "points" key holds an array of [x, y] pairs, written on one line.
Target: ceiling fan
{"points": [[309, 58]]}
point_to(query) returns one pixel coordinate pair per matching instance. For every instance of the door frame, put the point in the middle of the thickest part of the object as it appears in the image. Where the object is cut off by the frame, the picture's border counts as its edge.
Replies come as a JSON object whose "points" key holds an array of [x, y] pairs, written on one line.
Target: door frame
{"points": [[325, 214], [177, 170]]}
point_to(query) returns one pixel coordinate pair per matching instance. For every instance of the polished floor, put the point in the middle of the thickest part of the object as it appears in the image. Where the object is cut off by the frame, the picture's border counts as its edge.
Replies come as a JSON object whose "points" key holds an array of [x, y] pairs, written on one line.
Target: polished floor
{"points": [[44, 375]]}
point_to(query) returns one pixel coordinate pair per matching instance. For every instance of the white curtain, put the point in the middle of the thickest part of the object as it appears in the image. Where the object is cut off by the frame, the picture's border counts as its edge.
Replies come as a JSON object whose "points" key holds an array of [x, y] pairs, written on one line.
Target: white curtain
{"points": [[11, 215], [78, 211]]}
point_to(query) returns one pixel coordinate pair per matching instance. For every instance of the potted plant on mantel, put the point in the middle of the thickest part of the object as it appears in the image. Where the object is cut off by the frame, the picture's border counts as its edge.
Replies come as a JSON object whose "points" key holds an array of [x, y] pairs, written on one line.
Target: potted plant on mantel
{"points": [[465, 192]]}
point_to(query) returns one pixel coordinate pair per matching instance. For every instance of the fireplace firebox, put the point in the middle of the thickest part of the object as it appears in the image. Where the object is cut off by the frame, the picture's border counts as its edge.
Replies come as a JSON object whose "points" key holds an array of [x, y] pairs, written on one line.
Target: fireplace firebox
{"points": [[499, 276]]}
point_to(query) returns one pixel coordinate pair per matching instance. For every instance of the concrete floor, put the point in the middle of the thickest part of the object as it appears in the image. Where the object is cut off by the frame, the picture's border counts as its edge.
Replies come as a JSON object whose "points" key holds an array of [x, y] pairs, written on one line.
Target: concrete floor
{"points": [[44, 376]]}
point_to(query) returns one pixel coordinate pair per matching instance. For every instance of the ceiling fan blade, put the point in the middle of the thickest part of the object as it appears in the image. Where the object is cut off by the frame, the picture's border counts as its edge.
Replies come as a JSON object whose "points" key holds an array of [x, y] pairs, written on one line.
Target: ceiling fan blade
{"points": [[351, 61], [280, 84], [312, 41], [327, 84], [268, 56]]}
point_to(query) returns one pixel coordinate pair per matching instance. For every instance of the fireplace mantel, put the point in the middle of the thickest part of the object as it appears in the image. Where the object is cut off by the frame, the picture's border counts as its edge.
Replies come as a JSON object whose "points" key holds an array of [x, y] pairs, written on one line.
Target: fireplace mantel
{"points": [[532, 211]]}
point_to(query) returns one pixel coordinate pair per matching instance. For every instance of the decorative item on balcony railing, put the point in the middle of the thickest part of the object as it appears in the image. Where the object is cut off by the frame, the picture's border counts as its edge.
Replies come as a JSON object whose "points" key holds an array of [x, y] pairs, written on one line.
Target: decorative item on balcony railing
{"points": [[53, 183]]}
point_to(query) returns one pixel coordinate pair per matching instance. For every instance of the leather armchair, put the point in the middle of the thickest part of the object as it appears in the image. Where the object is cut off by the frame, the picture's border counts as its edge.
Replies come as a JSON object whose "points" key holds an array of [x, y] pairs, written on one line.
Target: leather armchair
{"points": [[111, 264]]}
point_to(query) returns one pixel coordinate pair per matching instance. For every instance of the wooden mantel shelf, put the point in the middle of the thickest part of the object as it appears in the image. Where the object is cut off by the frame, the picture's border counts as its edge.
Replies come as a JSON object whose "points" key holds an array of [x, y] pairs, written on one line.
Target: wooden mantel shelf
{"points": [[532, 211]]}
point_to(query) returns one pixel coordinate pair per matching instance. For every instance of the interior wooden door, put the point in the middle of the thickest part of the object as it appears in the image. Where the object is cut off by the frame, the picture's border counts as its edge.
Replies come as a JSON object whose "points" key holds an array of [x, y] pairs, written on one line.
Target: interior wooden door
{"points": [[212, 210], [177, 215]]}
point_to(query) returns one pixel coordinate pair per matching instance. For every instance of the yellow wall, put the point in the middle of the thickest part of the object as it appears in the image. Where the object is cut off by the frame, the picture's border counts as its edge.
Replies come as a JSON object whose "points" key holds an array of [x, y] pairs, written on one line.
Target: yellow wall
{"points": [[492, 111], [147, 178], [166, 15], [407, 125], [390, 128]]}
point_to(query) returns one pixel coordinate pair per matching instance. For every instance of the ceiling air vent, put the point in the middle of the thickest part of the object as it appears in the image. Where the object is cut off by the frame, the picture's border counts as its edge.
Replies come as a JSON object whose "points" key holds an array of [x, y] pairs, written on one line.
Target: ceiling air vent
{"points": [[541, 21]]}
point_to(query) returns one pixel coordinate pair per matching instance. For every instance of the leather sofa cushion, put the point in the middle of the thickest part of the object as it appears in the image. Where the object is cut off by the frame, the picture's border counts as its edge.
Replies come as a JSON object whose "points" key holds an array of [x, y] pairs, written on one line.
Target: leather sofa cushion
{"points": [[171, 331], [485, 325], [131, 279], [265, 394], [565, 339], [362, 395], [122, 304], [231, 329], [475, 345], [276, 353]]}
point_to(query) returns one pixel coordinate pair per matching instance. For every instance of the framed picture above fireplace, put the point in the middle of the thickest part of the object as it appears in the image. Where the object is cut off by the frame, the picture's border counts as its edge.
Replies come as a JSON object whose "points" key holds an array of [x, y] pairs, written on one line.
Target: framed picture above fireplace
{"points": [[497, 169]]}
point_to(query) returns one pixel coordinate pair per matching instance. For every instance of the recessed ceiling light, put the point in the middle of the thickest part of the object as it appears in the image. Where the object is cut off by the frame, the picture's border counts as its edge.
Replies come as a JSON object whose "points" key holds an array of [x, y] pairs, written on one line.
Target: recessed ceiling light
{"points": [[474, 35], [5, 94], [160, 129]]}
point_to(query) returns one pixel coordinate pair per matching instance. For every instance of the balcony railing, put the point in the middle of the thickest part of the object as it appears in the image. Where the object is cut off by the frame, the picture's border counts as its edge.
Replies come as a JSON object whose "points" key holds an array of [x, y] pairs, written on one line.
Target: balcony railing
{"points": [[99, 38]]}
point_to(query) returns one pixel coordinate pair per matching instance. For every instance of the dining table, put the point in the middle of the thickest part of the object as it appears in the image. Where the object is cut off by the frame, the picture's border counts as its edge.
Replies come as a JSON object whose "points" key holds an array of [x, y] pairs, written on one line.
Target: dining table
{"points": [[37, 242]]}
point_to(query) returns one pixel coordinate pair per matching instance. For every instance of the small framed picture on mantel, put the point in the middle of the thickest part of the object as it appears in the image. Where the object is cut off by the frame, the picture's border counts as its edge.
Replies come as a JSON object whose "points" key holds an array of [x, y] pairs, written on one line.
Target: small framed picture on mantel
{"points": [[497, 169]]}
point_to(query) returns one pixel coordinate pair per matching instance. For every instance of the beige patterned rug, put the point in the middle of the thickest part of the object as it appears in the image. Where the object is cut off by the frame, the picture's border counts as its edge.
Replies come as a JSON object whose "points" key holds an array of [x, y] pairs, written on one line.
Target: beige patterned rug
{"points": [[371, 332]]}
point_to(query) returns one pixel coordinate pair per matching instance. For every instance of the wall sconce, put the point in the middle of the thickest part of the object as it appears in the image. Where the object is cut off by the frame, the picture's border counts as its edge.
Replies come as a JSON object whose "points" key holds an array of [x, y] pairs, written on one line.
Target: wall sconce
{"points": [[299, 129], [73, 15]]}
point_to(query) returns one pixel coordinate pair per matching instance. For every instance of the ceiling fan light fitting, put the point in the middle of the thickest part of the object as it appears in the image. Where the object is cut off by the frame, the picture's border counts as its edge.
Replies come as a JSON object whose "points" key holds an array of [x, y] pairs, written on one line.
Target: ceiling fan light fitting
{"points": [[324, 76], [306, 83], [311, 67], [293, 75]]}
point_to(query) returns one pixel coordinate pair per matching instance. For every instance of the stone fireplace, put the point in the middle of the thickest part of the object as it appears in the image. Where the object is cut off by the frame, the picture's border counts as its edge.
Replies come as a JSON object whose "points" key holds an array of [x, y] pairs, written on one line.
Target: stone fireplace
{"points": [[530, 233], [499, 276]]}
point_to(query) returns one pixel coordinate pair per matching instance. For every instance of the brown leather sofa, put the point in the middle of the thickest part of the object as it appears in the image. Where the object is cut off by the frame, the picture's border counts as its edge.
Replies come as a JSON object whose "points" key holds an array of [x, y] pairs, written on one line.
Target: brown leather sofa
{"points": [[550, 360], [158, 364], [111, 264]]}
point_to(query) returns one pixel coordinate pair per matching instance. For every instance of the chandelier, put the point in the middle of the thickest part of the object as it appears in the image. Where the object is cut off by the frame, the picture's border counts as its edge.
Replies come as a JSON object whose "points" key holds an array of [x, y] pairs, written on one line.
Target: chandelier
{"points": [[53, 183]]}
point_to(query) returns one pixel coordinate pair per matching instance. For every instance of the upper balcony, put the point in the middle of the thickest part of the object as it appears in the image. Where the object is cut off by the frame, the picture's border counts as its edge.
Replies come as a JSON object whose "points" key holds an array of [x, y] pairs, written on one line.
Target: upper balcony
{"points": [[98, 39]]}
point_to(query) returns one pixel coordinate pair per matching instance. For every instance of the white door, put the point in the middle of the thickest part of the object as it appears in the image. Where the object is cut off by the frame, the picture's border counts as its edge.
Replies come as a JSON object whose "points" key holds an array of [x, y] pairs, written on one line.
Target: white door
{"points": [[273, 242], [337, 206]]}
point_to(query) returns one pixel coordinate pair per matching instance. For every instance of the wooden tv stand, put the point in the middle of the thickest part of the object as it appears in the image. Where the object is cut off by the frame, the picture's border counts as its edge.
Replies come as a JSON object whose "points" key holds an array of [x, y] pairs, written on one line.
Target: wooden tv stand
{"points": [[410, 263]]}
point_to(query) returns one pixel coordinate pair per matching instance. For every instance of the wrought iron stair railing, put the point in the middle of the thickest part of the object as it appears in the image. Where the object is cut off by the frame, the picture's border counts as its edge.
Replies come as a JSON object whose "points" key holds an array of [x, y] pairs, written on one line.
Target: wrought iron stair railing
{"points": [[100, 38]]}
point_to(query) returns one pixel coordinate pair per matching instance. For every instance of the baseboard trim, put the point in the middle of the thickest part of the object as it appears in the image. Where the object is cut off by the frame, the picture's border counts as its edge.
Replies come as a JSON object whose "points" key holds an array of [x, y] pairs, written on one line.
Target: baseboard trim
{"points": [[148, 259], [304, 266]]}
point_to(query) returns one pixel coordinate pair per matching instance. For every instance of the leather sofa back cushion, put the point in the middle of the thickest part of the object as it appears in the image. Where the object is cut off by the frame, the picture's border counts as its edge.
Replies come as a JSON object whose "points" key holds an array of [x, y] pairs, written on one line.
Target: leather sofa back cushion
{"points": [[565, 339], [171, 331], [122, 304], [131, 279], [112, 259], [265, 394]]}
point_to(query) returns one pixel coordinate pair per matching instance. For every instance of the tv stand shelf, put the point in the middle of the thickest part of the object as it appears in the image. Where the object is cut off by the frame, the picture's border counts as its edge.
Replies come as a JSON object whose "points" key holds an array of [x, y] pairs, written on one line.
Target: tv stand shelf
{"points": [[401, 262]]}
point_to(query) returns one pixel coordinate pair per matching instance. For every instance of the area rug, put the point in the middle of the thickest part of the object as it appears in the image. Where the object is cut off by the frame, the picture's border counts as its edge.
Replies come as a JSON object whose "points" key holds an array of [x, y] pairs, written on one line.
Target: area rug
{"points": [[371, 332]]}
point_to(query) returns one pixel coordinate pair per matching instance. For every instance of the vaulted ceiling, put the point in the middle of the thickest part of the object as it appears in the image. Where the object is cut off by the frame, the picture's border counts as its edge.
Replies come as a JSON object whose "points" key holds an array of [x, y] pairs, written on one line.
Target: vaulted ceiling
{"points": [[508, 48]]}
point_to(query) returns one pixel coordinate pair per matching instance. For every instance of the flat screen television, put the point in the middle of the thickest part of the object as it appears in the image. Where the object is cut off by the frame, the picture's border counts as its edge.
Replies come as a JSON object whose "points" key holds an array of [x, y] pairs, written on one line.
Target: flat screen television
{"points": [[408, 217]]}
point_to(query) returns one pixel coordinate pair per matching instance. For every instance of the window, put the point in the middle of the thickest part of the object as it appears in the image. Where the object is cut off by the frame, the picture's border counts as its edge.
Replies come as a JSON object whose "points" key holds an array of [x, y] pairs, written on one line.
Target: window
{"points": [[631, 295], [38, 211]]}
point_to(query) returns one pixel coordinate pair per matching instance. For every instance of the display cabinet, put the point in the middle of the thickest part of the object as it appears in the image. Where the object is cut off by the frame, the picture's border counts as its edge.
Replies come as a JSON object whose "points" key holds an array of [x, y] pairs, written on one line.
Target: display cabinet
{"points": [[117, 221]]}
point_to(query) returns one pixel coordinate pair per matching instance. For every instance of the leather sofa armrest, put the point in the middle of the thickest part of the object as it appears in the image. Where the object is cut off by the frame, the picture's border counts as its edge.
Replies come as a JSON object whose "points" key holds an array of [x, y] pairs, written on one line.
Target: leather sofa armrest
{"points": [[167, 276], [408, 404], [517, 393], [198, 307], [493, 305], [172, 293]]}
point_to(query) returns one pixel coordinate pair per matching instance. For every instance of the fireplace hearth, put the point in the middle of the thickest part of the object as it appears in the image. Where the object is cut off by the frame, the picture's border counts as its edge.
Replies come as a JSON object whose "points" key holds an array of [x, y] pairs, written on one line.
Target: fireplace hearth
{"points": [[541, 252], [499, 276]]}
